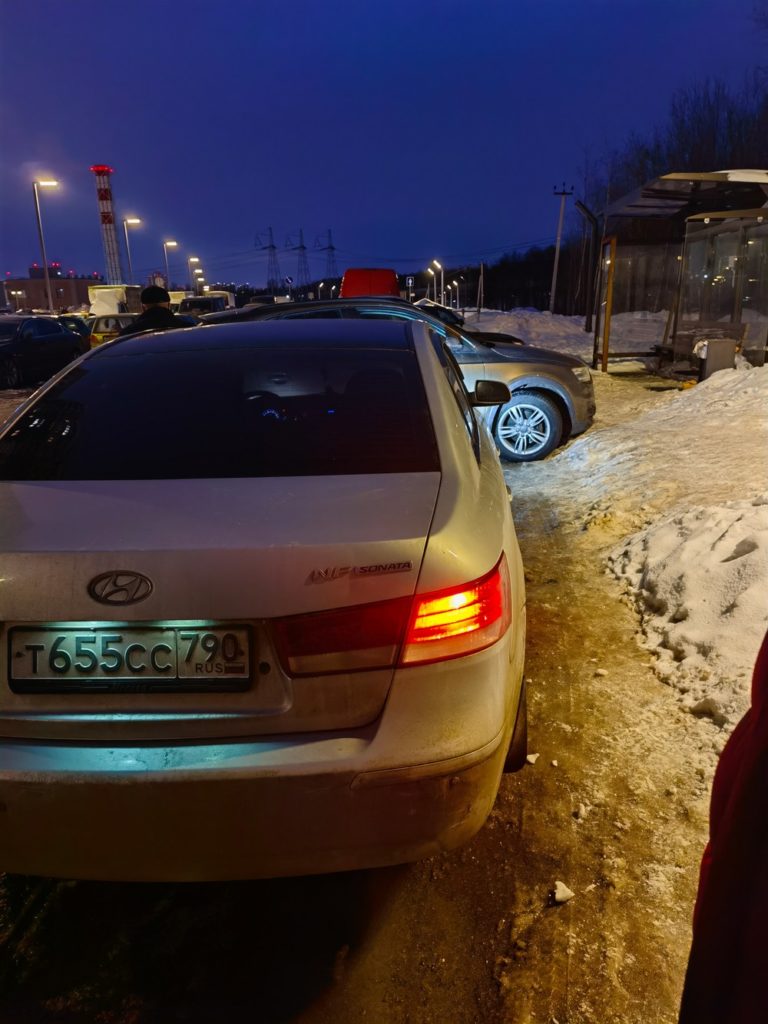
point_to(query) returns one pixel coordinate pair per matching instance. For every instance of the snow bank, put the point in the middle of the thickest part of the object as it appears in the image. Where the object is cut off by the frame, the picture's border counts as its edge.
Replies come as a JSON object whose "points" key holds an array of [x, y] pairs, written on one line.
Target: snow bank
{"points": [[629, 331], [700, 446], [700, 582]]}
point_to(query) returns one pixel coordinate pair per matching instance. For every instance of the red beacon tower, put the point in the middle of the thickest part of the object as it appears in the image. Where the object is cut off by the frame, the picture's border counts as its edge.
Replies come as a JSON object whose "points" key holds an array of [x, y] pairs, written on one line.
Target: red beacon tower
{"points": [[108, 228]]}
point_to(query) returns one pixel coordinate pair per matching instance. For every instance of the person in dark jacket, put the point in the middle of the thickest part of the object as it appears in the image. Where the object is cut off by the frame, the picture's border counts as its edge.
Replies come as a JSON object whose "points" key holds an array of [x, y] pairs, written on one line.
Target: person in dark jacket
{"points": [[156, 315], [726, 981]]}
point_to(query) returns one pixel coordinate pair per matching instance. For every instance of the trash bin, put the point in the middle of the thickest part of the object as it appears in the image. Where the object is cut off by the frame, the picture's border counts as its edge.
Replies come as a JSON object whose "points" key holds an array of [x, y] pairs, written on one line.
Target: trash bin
{"points": [[715, 354]]}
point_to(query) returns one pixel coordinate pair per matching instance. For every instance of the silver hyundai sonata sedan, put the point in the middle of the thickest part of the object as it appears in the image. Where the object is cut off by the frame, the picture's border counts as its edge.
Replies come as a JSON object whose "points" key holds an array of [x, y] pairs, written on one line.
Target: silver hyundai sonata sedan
{"points": [[261, 604]]}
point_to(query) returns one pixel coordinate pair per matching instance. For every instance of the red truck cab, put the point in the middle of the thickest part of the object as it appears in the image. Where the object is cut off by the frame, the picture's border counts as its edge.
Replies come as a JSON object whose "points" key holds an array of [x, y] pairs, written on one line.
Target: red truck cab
{"points": [[367, 281]]}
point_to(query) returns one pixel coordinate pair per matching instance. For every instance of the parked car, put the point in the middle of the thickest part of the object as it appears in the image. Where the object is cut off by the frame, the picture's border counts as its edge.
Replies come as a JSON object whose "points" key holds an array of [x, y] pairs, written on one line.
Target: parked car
{"points": [[78, 326], [552, 395], [283, 625], [105, 328], [33, 348], [444, 313]]}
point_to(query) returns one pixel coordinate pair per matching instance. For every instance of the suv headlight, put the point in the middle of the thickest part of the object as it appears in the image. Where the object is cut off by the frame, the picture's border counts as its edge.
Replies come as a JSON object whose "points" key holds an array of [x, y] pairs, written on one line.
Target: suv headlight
{"points": [[582, 373]]}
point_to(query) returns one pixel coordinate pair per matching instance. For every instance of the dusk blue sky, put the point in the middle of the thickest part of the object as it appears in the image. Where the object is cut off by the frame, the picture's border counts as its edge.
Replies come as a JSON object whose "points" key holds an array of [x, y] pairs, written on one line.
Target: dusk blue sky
{"points": [[413, 130]]}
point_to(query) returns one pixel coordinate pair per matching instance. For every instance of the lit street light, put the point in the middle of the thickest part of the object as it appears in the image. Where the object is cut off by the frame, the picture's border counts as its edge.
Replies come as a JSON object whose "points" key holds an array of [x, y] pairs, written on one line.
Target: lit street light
{"points": [[320, 289], [436, 263], [35, 185], [456, 284], [192, 270], [448, 289], [434, 282], [166, 247], [126, 222], [333, 289]]}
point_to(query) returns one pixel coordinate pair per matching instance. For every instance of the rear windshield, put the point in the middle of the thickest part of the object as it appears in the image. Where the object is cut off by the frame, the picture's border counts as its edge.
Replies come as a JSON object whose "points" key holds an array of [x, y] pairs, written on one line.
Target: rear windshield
{"points": [[239, 412]]}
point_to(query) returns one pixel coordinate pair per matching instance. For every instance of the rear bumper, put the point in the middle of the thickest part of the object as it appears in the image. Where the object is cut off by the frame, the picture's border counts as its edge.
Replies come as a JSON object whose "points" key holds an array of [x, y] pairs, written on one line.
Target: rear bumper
{"points": [[228, 818]]}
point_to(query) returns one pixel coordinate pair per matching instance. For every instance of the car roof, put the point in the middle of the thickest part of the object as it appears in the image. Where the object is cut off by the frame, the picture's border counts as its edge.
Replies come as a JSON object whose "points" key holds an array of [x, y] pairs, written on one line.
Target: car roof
{"points": [[19, 317], [353, 334], [283, 308]]}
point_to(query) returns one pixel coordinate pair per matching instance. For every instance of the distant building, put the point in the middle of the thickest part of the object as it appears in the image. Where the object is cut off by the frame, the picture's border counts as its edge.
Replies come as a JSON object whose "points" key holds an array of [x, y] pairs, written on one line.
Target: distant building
{"points": [[68, 291]]}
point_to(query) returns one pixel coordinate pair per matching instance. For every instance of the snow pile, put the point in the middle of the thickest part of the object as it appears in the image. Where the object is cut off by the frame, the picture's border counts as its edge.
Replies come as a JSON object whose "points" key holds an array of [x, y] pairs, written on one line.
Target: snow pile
{"points": [[561, 333], [699, 446], [630, 332], [700, 582]]}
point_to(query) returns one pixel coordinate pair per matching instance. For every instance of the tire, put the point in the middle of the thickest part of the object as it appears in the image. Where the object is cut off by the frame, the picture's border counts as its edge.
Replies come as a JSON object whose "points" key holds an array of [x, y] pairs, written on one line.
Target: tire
{"points": [[518, 745], [528, 427], [10, 377]]}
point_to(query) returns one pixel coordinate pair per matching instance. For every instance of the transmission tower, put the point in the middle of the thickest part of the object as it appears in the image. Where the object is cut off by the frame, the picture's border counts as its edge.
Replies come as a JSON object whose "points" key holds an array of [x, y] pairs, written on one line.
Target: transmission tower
{"points": [[331, 270], [274, 277], [108, 228], [302, 275]]}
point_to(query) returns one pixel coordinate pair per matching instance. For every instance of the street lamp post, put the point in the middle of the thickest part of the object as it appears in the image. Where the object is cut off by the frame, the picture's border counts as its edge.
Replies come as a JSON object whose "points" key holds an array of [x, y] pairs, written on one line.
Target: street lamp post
{"points": [[562, 193], [456, 285], [320, 289], [448, 289], [126, 222], [434, 282], [166, 247], [333, 289], [35, 185], [192, 271], [198, 280], [436, 263]]}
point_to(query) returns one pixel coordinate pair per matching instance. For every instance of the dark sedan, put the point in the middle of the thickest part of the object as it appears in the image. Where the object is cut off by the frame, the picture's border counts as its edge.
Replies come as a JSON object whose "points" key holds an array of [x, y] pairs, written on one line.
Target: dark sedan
{"points": [[33, 348]]}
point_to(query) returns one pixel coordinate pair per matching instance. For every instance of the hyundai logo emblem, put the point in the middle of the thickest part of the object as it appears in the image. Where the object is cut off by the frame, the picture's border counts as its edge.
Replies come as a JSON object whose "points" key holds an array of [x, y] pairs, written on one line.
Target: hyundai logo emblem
{"points": [[120, 587]]}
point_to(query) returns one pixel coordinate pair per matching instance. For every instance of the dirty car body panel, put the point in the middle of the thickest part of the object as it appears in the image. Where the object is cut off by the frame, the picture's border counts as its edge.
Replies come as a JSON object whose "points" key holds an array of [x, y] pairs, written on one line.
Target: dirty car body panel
{"points": [[276, 628]]}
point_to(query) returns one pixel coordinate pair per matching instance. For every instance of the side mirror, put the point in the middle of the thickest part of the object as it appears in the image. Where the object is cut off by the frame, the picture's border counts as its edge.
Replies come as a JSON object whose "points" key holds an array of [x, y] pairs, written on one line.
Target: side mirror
{"points": [[490, 392]]}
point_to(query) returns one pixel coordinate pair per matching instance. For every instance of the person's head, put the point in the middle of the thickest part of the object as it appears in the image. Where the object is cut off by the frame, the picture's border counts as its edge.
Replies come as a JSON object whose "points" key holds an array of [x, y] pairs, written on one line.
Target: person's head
{"points": [[154, 295]]}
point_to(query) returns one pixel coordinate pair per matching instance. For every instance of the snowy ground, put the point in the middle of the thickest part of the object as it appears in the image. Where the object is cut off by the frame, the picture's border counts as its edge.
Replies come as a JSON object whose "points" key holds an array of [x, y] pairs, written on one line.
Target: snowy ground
{"points": [[684, 483]]}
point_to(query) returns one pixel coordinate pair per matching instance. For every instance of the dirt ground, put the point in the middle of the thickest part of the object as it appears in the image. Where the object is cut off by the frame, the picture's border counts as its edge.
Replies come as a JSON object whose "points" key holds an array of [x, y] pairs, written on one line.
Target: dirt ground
{"points": [[612, 807]]}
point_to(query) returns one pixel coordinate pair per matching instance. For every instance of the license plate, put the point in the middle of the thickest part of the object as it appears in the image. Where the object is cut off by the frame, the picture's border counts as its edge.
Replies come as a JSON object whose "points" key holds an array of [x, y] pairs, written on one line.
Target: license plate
{"points": [[46, 659]]}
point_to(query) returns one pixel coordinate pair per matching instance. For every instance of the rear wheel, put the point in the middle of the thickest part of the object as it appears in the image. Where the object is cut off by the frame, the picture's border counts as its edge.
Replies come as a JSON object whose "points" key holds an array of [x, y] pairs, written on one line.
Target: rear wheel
{"points": [[10, 377], [518, 745], [528, 427]]}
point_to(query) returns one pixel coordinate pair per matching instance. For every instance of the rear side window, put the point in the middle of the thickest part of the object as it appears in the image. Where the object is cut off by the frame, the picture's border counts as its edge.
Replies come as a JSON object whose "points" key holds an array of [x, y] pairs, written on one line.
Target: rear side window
{"points": [[227, 412], [42, 328]]}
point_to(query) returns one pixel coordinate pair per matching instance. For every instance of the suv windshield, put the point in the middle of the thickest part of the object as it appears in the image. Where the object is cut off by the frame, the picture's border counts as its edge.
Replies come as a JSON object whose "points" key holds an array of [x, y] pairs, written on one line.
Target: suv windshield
{"points": [[219, 412]]}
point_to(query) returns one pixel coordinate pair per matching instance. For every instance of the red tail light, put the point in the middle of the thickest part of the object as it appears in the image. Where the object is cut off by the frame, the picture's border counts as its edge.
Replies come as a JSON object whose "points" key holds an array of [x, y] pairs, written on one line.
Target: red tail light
{"points": [[431, 627], [459, 621]]}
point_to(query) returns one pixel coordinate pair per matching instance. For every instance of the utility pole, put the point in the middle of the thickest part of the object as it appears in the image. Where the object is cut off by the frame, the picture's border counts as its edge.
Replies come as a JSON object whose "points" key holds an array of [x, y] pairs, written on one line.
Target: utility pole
{"points": [[480, 295], [562, 193]]}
